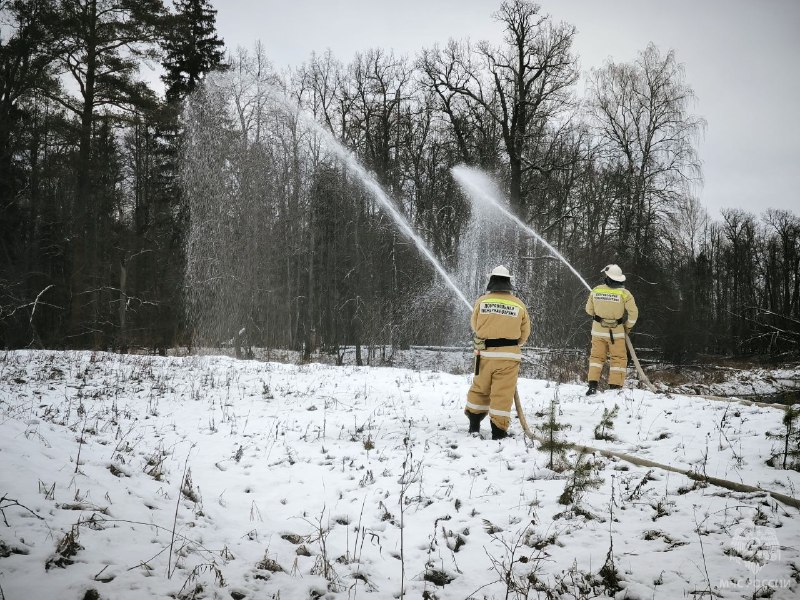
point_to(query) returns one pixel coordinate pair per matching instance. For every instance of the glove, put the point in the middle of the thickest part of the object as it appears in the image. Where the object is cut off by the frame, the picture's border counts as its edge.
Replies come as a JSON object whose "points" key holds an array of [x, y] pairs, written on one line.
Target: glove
{"points": [[478, 344]]}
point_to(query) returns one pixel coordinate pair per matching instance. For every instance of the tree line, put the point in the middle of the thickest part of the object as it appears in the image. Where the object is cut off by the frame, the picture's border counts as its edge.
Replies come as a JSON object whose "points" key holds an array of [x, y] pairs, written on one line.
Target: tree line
{"points": [[214, 214]]}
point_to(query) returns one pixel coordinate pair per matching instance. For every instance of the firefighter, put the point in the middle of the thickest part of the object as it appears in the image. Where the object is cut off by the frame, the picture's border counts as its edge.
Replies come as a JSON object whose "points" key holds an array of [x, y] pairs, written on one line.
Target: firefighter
{"points": [[500, 325], [614, 312]]}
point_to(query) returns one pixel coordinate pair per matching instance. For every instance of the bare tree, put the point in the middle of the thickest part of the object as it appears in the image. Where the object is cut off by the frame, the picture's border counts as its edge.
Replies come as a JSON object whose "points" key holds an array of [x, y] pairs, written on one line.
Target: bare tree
{"points": [[785, 248], [522, 86], [641, 111]]}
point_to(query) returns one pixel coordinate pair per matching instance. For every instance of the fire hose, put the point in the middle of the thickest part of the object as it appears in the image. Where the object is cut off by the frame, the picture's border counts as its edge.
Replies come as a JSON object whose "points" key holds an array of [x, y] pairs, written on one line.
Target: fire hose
{"points": [[644, 462]]}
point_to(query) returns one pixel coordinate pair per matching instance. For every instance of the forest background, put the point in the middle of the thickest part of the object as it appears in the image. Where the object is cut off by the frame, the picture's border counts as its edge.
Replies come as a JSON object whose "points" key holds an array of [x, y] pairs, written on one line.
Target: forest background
{"points": [[136, 216]]}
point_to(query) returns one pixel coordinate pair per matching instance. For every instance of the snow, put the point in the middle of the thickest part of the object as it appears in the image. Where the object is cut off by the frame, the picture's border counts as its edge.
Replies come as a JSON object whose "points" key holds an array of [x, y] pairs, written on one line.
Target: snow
{"points": [[334, 460], [752, 383]]}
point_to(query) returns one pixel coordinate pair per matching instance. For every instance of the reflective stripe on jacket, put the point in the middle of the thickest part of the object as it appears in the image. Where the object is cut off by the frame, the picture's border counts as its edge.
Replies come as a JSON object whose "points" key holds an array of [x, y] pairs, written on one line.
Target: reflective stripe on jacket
{"points": [[501, 315]]}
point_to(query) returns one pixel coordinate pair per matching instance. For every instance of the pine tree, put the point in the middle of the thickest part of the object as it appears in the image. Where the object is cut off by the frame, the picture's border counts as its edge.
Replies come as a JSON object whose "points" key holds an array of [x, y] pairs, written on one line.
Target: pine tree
{"points": [[26, 65], [27, 69], [192, 47], [788, 454], [791, 452], [603, 429], [102, 44], [583, 479], [551, 443]]}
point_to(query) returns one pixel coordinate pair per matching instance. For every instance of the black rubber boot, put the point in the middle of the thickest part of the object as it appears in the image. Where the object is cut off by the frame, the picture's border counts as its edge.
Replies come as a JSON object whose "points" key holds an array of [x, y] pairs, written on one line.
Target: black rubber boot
{"points": [[592, 388], [614, 386], [474, 421], [498, 434]]}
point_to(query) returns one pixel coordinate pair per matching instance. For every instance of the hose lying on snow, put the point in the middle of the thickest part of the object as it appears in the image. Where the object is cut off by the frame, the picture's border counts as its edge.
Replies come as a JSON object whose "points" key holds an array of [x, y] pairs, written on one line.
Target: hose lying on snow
{"points": [[644, 462]]}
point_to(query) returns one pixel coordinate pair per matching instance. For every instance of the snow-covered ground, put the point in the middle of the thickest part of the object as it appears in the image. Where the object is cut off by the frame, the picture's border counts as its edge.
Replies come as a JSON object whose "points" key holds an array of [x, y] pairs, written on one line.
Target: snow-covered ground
{"points": [[744, 381], [755, 383], [207, 477]]}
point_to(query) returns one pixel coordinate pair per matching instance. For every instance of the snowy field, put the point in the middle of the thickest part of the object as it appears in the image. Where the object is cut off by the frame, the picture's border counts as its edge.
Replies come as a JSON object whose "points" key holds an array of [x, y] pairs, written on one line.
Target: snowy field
{"points": [[205, 477], [755, 383]]}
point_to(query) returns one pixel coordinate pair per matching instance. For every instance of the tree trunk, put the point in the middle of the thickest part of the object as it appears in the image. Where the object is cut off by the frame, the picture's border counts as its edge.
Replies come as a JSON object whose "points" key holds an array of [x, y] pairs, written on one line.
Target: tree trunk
{"points": [[123, 306], [83, 248], [515, 190]]}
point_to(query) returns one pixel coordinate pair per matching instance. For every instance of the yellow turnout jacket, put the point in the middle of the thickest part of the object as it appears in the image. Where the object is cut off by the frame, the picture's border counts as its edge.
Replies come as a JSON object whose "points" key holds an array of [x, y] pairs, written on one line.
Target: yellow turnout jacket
{"points": [[611, 304], [501, 315]]}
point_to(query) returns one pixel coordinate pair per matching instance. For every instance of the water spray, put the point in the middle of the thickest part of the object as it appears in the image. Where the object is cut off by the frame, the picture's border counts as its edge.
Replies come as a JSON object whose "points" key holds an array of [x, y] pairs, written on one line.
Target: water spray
{"points": [[369, 181], [378, 192], [371, 184], [480, 186]]}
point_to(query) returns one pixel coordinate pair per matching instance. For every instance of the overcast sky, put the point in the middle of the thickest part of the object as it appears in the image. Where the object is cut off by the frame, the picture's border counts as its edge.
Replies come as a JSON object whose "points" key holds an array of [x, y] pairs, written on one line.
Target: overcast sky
{"points": [[741, 57]]}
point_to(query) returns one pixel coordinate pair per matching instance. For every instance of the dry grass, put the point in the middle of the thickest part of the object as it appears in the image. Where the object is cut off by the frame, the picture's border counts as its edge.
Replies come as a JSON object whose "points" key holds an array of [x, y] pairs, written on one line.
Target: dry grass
{"points": [[678, 376]]}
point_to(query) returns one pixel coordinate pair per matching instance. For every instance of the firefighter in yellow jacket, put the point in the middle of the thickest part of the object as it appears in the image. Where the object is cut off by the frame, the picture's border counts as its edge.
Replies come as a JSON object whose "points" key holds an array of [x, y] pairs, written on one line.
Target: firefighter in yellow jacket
{"points": [[614, 312], [501, 326]]}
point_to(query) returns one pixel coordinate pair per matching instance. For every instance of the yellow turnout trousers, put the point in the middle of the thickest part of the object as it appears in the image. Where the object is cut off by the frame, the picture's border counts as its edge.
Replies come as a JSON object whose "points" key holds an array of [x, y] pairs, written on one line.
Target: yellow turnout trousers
{"points": [[602, 347], [492, 390]]}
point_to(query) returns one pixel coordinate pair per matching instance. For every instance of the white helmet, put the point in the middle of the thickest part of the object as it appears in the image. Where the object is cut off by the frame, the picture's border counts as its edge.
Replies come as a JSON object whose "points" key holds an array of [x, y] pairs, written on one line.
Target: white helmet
{"points": [[501, 271], [613, 272]]}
